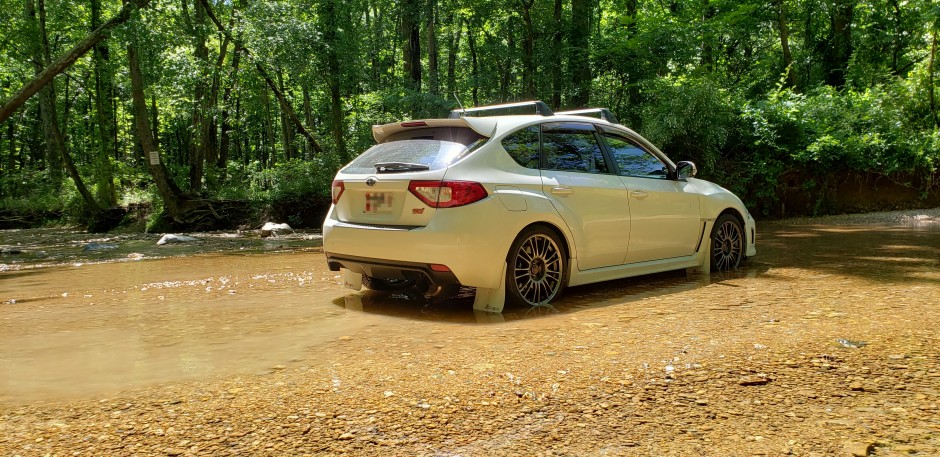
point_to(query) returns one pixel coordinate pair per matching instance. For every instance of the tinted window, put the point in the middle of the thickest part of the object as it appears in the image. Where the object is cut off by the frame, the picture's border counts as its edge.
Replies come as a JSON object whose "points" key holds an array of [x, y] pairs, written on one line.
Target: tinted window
{"points": [[523, 147], [633, 160], [433, 153], [572, 147]]}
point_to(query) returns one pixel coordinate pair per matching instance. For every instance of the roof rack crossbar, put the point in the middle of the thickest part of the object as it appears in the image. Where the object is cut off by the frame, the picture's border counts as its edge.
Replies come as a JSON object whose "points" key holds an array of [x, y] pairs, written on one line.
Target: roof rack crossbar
{"points": [[503, 109], [604, 113]]}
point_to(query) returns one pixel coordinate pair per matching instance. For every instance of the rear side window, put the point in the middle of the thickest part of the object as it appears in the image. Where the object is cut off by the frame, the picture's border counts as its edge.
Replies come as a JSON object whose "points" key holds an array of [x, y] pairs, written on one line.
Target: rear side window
{"points": [[523, 147], [572, 147], [436, 154]]}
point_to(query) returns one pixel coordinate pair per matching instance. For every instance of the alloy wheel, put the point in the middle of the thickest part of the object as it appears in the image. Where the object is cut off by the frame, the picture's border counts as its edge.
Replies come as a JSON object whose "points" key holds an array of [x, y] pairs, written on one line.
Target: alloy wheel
{"points": [[538, 269], [727, 244]]}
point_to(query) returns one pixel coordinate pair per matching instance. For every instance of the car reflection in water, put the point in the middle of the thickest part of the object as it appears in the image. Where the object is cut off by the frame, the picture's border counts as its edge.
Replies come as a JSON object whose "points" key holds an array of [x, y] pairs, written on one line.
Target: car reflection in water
{"points": [[410, 304]]}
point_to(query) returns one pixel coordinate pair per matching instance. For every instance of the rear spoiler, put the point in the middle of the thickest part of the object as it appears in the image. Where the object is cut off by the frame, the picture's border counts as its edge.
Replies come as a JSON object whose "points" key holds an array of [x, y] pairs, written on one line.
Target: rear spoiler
{"points": [[482, 126], [505, 109], [602, 113]]}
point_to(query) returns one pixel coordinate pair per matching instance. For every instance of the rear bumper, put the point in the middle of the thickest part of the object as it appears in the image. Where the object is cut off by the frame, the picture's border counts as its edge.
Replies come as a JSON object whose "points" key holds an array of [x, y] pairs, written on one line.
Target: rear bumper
{"points": [[379, 268], [468, 241]]}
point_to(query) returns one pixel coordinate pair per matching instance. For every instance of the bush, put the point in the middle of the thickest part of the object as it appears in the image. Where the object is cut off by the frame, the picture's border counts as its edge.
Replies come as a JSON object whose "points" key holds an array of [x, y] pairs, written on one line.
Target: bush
{"points": [[827, 134], [690, 119]]}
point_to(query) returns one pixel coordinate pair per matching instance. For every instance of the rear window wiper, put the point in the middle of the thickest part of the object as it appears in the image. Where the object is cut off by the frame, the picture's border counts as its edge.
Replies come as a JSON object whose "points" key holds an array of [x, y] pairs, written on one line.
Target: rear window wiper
{"points": [[395, 167]]}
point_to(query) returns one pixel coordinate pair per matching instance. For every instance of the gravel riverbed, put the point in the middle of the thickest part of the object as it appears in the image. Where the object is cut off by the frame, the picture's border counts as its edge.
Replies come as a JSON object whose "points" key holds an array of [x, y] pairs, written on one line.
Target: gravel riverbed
{"points": [[826, 344]]}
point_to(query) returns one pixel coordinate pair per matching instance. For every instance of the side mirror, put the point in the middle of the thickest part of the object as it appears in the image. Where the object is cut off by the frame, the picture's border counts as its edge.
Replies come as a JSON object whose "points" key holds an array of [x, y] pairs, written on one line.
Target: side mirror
{"points": [[686, 169]]}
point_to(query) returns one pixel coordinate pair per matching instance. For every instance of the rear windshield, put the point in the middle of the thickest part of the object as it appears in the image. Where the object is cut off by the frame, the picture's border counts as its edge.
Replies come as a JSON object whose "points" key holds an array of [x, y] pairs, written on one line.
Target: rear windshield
{"points": [[436, 154]]}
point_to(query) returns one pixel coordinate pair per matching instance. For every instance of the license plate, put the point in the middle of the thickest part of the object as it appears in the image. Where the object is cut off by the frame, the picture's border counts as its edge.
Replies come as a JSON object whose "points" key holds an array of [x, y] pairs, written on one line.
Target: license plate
{"points": [[378, 203]]}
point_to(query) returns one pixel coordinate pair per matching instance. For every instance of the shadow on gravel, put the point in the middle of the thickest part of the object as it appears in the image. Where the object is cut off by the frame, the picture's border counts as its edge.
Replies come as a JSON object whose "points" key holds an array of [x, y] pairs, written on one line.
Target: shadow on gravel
{"points": [[895, 254], [620, 292]]}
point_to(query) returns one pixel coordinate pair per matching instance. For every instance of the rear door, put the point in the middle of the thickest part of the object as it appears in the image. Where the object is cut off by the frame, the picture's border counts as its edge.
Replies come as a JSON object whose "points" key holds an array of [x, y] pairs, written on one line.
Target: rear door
{"points": [[578, 180]]}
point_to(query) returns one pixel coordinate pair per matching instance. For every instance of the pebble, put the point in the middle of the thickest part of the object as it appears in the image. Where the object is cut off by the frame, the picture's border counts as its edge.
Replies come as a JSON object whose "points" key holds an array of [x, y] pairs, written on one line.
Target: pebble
{"points": [[753, 380], [858, 449], [416, 386]]}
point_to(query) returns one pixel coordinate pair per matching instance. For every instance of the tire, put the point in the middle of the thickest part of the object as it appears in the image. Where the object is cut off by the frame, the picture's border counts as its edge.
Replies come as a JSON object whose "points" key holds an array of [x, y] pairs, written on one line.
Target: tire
{"points": [[536, 268], [386, 284], [727, 249]]}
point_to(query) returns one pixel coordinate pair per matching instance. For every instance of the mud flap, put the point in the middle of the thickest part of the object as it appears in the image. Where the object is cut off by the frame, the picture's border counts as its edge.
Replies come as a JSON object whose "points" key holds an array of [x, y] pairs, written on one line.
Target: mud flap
{"points": [[491, 300], [705, 256], [352, 280], [353, 302]]}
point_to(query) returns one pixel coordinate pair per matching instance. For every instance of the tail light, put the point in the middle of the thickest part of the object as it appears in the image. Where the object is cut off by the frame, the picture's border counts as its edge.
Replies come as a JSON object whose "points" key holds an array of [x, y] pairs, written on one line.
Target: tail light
{"points": [[338, 188], [447, 194]]}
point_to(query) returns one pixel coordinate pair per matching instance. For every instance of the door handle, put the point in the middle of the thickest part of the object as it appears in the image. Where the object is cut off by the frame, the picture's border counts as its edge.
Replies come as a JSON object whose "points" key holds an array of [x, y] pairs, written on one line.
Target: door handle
{"points": [[639, 194], [562, 190]]}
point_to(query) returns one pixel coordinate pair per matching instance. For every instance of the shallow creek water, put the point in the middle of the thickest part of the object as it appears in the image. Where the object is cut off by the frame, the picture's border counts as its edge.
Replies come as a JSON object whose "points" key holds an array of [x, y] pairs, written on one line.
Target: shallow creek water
{"points": [[79, 329]]}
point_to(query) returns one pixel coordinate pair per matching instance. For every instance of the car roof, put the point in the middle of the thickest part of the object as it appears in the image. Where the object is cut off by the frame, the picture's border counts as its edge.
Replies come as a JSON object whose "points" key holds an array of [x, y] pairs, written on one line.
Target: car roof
{"points": [[495, 120]]}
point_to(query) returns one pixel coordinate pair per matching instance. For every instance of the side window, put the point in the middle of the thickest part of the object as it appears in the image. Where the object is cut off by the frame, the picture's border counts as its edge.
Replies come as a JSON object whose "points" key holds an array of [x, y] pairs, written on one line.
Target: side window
{"points": [[523, 147], [633, 160], [572, 147]]}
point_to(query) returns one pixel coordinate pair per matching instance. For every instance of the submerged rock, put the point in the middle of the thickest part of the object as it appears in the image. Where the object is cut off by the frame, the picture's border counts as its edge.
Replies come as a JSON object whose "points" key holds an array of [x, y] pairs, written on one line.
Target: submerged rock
{"points": [[99, 247], [273, 229], [851, 344], [171, 238]]}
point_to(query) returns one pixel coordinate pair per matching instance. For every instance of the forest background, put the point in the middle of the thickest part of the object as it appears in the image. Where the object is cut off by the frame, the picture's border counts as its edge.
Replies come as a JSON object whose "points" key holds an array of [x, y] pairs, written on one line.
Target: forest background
{"points": [[198, 114]]}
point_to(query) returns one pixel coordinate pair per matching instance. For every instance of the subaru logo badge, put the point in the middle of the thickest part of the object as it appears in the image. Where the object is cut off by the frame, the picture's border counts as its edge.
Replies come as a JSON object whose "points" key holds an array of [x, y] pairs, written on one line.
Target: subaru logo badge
{"points": [[370, 181]]}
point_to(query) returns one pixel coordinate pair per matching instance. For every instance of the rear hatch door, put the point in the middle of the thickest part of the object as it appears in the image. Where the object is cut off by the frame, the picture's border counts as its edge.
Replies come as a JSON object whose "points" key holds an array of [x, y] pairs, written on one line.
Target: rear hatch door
{"points": [[375, 186]]}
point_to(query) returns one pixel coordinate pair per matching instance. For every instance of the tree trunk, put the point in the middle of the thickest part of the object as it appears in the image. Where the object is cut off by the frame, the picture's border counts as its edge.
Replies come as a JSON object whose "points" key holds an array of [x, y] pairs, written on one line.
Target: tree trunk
{"points": [[411, 36], [896, 37], [433, 82], [556, 51], [55, 142], [212, 149], [930, 79], [474, 67], [50, 71], [287, 132], [107, 133], [201, 104], [581, 13], [453, 45], [506, 67], [708, 51], [528, 48], [226, 104], [267, 146], [785, 43], [839, 50], [169, 192], [334, 77], [308, 114], [11, 146]]}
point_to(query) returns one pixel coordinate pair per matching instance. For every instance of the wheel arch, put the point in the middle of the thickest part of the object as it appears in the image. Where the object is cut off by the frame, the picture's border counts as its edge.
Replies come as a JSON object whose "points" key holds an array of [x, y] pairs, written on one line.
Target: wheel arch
{"points": [[562, 235], [734, 212]]}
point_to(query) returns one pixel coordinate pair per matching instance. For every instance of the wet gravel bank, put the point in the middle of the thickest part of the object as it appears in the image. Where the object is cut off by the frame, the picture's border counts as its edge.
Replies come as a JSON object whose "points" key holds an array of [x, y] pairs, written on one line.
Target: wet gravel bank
{"points": [[824, 345]]}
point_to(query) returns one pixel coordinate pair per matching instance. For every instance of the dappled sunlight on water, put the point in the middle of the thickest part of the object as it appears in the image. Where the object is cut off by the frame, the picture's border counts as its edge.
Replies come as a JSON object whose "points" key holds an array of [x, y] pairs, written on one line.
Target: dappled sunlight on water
{"points": [[91, 329]]}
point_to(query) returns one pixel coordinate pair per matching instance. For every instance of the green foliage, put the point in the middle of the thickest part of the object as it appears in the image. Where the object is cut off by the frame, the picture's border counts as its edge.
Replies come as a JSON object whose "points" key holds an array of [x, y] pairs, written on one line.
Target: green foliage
{"points": [[828, 134], [831, 131], [691, 119], [294, 181], [700, 79], [29, 190]]}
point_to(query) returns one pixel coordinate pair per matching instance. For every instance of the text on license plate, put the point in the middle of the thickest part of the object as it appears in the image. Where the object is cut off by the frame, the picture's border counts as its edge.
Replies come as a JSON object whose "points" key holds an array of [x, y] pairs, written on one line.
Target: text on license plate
{"points": [[378, 202]]}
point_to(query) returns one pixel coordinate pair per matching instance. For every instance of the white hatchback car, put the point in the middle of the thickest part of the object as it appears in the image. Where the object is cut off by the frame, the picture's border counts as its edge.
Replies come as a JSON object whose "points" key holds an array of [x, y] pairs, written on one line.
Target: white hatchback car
{"points": [[520, 206]]}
